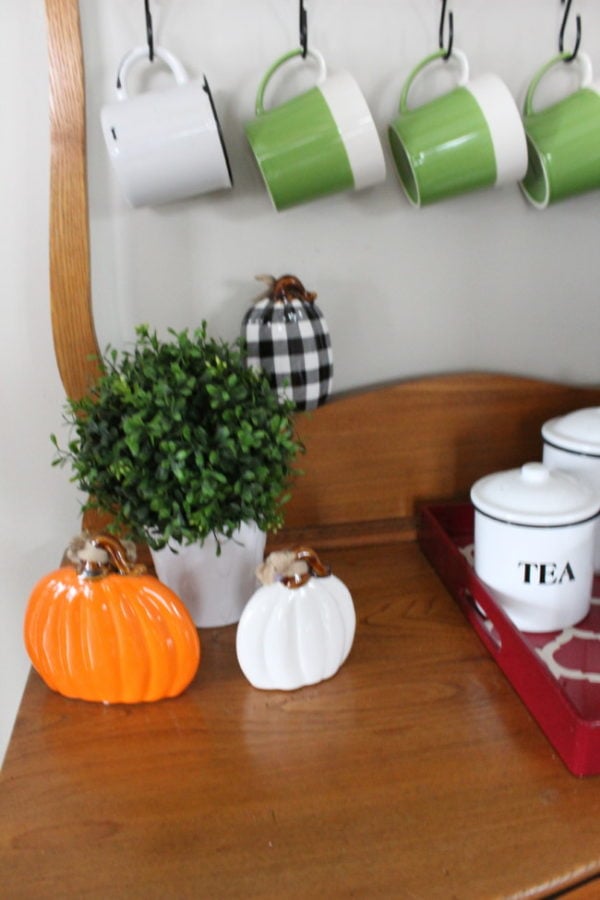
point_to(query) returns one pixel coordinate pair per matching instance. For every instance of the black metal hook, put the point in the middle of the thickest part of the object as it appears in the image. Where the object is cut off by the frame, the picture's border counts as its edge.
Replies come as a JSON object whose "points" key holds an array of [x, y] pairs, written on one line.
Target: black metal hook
{"points": [[303, 30], [149, 30], [561, 37], [450, 30]]}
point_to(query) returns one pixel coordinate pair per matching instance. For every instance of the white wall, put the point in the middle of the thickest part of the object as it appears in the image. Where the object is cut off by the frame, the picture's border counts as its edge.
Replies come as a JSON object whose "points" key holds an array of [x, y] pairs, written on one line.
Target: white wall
{"points": [[38, 509], [483, 281], [480, 281]]}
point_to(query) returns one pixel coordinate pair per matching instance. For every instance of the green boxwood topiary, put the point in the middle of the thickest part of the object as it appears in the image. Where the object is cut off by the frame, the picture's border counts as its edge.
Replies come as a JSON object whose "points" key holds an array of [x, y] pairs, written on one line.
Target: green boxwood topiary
{"points": [[179, 439]]}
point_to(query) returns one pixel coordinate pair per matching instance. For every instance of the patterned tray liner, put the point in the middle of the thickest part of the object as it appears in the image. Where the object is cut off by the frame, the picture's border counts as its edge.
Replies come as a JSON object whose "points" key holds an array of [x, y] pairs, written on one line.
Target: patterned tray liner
{"points": [[571, 655]]}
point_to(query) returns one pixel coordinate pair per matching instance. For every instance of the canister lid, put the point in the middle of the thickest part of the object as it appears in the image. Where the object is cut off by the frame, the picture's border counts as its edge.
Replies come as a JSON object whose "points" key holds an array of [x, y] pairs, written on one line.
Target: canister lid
{"points": [[535, 495], [577, 432]]}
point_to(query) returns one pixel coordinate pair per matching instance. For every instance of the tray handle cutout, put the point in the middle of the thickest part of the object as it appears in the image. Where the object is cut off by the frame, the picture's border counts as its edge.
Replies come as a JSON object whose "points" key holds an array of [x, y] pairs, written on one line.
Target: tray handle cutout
{"points": [[479, 619]]}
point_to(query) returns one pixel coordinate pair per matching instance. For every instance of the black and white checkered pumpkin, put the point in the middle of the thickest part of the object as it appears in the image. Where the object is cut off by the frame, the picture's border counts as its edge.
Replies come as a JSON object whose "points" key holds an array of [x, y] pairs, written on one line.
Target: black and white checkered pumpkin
{"points": [[286, 335]]}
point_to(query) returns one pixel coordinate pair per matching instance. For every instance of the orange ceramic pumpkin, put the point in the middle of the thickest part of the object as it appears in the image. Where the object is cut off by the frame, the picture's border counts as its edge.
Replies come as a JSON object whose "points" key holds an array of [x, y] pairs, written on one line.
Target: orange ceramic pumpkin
{"points": [[110, 632]]}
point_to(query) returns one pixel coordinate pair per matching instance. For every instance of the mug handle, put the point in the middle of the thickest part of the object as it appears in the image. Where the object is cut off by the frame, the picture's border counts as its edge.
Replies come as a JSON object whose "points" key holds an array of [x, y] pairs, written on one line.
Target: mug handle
{"points": [[314, 54], [586, 76], [463, 76], [138, 53]]}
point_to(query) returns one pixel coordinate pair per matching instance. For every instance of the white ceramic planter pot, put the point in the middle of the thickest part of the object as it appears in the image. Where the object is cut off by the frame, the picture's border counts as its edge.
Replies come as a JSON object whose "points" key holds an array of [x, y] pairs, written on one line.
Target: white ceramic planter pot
{"points": [[534, 544], [572, 443], [215, 589]]}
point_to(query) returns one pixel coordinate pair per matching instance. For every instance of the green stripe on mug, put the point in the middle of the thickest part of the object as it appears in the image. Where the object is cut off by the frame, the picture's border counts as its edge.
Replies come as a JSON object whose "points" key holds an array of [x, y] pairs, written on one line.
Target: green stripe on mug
{"points": [[299, 151], [563, 139], [443, 148], [469, 138], [321, 142]]}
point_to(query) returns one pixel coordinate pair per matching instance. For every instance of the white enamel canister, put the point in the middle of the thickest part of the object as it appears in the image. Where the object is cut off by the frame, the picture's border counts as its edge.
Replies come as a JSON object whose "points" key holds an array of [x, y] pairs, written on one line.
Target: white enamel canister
{"points": [[534, 544], [572, 444]]}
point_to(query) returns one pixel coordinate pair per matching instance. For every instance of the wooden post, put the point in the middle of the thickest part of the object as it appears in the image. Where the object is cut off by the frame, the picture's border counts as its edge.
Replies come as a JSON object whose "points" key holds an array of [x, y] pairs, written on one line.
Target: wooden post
{"points": [[73, 330]]}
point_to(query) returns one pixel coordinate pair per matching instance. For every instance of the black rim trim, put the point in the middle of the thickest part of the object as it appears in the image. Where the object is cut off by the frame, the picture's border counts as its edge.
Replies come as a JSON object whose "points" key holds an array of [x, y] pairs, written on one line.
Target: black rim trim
{"points": [[219, 130], [574, 452], [531, 525]]}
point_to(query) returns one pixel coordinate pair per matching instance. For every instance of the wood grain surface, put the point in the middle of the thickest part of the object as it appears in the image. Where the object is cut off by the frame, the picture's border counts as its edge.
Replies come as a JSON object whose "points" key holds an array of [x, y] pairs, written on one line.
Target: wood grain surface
{"points": [[414, 772], [373, 455], [73, 329]]}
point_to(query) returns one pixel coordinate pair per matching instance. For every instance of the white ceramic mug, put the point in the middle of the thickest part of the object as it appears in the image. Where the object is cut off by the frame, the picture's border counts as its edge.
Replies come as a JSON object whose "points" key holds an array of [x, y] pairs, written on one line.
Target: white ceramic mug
{"points": [[320, 142], [469, 138], [165, 145]]}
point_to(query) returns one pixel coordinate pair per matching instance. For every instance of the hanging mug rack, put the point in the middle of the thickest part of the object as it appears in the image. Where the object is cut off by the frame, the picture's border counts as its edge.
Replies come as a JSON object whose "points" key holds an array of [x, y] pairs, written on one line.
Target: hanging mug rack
{"points": [[446, 21], [446, 50], [561, 36], [149, 30], [303, 29], [450, 21]]}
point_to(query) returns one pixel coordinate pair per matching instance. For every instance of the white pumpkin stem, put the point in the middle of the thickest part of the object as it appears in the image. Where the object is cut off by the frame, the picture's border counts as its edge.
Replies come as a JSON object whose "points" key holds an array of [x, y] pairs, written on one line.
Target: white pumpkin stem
{"points": [[278, 564], [316, 569]]}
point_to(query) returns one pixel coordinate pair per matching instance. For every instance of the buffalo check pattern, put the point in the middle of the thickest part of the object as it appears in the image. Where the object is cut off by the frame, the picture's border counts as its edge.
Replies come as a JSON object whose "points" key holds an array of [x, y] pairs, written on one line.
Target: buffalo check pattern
{"points": [[290, 341]]}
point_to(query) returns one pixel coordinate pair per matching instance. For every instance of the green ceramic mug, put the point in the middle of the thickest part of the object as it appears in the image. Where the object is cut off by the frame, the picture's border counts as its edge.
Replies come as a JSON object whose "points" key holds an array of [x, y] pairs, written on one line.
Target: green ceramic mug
{"points": [[320, 142], [563, 139], [468, 138]]}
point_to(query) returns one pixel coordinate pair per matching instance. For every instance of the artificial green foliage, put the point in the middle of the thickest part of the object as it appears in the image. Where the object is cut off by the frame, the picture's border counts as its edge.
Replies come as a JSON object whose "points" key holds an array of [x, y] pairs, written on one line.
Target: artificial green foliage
{"points": [[179, 439]]}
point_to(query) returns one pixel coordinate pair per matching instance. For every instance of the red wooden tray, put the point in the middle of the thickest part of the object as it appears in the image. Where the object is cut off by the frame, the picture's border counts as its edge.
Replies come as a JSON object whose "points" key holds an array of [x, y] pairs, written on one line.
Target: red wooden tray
{"points": [[557, 675]]}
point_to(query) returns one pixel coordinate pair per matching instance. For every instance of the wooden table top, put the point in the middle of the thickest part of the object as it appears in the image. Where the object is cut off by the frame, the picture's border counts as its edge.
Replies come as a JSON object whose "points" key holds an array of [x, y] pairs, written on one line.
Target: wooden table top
{"points": [[415, 772]]}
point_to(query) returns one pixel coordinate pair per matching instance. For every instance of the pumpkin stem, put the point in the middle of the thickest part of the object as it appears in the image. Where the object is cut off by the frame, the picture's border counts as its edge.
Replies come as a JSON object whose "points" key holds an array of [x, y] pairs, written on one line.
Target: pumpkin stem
{"points": [[94, 557], [316, 569], [286, 288]]}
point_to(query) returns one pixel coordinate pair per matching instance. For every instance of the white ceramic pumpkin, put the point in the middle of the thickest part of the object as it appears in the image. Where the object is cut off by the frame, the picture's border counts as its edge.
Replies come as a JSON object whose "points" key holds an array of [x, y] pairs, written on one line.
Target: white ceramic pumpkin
{"points": [[296, 631]]}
